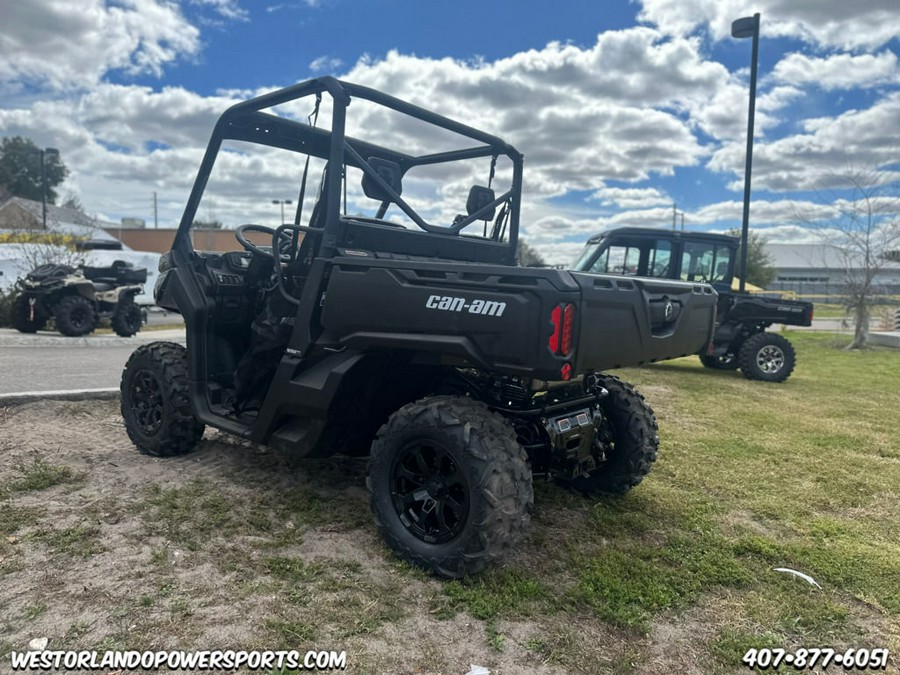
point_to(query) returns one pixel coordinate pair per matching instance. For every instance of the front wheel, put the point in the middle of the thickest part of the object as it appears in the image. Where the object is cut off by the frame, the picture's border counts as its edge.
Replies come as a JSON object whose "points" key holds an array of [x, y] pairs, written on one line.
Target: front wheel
{"points": [[75, 316], [768, 357], [628, 439], [156, 401], [25, 318], [128, 318], [450, 486]]}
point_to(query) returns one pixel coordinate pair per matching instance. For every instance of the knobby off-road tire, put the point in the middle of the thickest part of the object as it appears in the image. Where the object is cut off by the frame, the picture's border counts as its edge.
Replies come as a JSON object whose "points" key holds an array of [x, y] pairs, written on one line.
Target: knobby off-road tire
{"points": [[127, 319], [156, 402], [631, 428], [724, 362], [75, 316], [450, 487], [21, 313], [768, 357]]}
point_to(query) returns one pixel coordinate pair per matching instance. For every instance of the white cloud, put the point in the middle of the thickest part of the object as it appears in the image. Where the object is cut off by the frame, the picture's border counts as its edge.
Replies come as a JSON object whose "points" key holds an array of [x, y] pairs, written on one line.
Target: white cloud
{"points": [[631, 198], [631, 107], [828, 23], [228, 9], [863, 138], [325, 64], [614, 111], [65, 45], [839, 71]]}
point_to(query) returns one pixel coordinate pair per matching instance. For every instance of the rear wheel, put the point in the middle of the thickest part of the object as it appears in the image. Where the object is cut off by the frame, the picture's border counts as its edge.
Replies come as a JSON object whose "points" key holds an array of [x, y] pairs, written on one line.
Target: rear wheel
{"points": [[450, 487], [26, 319], [75, 316], [156, 402], [629, 439], [768, 357], [724, 362], [127, 319]]}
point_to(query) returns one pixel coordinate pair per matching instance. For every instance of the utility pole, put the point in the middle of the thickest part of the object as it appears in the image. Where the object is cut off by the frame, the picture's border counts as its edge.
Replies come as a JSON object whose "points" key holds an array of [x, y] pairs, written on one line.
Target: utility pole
{"points": [[748, 27], [155, 214]]}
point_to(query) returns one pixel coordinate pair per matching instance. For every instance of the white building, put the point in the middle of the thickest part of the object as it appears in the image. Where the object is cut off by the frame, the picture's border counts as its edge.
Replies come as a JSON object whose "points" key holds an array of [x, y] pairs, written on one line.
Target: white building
{"points": [[820, 269]]}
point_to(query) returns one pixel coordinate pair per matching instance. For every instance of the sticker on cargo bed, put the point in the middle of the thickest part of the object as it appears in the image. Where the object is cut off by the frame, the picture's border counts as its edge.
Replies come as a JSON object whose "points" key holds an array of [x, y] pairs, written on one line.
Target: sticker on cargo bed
{"points": [[450, 303]]}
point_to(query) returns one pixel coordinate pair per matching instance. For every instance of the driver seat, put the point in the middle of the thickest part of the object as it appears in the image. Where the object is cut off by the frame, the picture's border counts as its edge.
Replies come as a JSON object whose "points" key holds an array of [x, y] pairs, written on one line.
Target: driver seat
{"points": [[271, 329]]}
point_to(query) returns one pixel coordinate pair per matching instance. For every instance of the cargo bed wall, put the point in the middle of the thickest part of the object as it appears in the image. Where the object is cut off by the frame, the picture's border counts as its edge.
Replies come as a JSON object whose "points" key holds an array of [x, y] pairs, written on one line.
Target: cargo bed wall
{"points": [[629, 321], [747, 307], [495, 317]]}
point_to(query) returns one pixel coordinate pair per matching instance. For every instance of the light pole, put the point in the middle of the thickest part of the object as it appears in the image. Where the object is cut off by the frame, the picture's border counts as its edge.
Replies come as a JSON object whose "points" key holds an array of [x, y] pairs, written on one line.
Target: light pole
{"points": [[282, 202], [745, 27], [53, 152]]}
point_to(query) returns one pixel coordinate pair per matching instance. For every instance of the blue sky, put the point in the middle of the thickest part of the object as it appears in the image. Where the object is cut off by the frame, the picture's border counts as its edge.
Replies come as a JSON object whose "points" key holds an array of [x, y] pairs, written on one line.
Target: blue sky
{"points": [[621, 108]]}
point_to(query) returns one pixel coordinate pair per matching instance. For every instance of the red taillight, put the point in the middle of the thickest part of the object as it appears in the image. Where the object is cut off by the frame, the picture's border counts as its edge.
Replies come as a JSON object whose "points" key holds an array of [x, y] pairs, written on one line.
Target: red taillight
{"points": [[563, 319], [567, 326], [566, 371], [553, 342]]}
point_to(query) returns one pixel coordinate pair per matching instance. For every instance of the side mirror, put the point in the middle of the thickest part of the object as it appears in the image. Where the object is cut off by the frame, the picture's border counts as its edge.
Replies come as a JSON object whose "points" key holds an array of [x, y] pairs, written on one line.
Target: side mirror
{"points": [[389, 172], [479, 197]]}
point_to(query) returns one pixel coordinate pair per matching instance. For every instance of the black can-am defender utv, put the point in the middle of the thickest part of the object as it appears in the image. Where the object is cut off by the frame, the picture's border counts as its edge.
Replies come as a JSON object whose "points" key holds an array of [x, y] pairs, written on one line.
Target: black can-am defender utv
{"points": [[395, 326]]}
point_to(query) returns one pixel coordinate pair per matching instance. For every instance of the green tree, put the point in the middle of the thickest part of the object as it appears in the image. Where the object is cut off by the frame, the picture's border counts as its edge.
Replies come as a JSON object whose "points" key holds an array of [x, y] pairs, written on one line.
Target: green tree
{"points": [[20, 170], [526, 256], [759, 263]]}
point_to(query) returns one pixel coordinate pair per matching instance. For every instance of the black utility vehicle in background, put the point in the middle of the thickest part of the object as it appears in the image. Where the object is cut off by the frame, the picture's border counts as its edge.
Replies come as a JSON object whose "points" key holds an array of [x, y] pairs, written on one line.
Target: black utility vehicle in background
{"points": [[392, 321], [741, 340]]}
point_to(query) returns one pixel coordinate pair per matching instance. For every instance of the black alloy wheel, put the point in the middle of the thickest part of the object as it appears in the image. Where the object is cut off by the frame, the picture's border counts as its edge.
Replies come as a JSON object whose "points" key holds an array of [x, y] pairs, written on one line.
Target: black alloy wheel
{"points": [[429, 491]]}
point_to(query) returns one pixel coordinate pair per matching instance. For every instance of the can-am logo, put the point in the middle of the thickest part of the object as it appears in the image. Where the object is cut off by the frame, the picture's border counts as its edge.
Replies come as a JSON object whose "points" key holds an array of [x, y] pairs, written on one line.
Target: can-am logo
{"points": [[449, 303]]}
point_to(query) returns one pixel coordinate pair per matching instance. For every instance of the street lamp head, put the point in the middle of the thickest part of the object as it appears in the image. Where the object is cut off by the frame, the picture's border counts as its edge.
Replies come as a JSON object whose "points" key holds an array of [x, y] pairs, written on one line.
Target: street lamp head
{"points": [[745, 27]]}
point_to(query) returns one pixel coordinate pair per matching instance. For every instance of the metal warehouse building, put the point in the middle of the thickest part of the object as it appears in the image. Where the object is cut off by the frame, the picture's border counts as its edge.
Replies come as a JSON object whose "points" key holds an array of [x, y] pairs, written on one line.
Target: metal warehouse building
{"points": [[820, 269]]}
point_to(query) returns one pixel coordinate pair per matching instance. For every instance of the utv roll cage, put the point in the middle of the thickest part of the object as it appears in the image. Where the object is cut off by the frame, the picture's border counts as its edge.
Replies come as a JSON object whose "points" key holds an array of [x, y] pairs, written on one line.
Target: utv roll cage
{"points": [[382, 168]]}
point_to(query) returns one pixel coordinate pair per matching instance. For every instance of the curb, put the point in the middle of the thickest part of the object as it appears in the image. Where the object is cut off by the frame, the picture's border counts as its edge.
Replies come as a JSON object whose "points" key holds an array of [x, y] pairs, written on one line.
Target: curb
{"points": [[35, 340], [20, 397]]}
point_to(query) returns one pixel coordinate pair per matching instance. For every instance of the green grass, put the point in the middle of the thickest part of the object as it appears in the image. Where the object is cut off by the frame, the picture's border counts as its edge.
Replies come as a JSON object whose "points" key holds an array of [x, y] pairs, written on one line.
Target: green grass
{"points": [[39, 475], [751, 476], [80, 540]]}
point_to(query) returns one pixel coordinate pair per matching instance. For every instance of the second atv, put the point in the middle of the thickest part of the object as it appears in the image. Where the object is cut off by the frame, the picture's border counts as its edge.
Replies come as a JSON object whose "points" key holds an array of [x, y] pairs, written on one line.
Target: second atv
{"points": [[78, 298]]}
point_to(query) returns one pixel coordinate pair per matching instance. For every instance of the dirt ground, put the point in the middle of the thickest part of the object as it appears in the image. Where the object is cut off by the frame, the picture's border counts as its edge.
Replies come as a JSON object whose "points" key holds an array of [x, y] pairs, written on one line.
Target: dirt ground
{"points": [[234, 546]]}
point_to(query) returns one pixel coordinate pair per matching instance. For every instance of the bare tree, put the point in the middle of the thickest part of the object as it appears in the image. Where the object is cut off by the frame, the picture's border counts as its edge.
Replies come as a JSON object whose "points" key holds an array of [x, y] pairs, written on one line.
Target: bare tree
{"points": [[863, 231]]}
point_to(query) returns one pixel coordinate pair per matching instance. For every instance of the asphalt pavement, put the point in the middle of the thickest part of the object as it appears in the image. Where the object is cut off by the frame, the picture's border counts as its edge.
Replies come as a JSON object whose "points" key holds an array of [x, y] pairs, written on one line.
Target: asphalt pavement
{"points": [[47, 361]]}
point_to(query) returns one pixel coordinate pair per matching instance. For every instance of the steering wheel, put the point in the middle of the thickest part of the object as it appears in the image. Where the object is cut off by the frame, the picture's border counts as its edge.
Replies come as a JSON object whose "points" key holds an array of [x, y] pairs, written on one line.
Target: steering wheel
{"points": [[240, 235], [284, 244]]}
